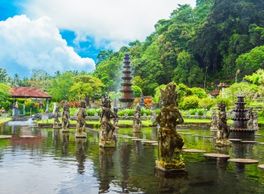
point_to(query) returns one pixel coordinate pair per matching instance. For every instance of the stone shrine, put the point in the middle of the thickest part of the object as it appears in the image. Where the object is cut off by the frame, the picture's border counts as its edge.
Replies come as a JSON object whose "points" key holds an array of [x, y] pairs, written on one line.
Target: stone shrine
{"points": [[245, 122], [127, 98]]}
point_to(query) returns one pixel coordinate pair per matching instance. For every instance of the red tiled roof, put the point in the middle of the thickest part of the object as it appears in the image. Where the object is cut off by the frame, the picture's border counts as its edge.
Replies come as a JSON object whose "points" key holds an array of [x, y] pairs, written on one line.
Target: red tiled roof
{"points": [[215, 92], [28, 92]]}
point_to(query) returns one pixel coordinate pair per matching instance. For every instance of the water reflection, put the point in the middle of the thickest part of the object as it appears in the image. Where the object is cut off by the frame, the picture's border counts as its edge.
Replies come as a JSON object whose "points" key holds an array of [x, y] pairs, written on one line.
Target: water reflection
{"points": [[138, 144], [128, 168], [106, 168], [65, 144], [56, 138], [125, 151], [242, 150], [80, 154]]}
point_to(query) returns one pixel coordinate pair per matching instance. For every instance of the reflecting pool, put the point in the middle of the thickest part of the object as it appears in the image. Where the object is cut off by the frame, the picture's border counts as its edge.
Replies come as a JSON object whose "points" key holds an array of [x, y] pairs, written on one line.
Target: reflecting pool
{"points": [[45, 161]]}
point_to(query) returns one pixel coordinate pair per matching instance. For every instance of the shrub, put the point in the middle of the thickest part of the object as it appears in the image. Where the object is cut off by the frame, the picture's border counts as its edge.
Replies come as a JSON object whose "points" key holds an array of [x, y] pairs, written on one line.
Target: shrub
{"points": [[145, 111], [189, 102], [136, 91], [157, 95], [183, 90], [199, 92], [261, 113], [93, 111], [128, 112], [206, 103], [199, 111], [226, 101]]}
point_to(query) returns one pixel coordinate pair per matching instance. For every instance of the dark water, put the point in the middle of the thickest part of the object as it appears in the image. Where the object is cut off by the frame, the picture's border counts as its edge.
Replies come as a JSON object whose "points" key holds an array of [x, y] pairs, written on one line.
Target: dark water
{"points": [[53, 163]]}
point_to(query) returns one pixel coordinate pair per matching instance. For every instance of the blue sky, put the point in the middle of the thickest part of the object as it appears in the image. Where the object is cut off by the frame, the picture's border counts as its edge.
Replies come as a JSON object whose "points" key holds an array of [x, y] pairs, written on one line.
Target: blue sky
{"points": [[67, 35]]}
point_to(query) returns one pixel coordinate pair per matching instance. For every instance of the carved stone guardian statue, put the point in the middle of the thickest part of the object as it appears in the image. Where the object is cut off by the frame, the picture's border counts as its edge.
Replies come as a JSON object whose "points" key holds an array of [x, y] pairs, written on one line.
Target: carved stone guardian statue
{"points": [[65, 118], [56, 113], [115, 119], [214, 122], [222, 129], [107, 136], [170, 142], [252, 123], [80, 126], [137, 120]]}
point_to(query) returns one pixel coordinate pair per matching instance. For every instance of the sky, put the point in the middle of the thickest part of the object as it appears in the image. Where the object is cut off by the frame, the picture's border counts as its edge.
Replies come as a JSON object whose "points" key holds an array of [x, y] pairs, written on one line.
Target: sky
{"points": [[61, 35]]}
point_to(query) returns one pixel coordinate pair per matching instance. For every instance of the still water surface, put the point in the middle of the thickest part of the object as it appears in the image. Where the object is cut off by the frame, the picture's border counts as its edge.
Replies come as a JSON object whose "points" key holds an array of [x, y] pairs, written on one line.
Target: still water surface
{"points": [[53, 163]]}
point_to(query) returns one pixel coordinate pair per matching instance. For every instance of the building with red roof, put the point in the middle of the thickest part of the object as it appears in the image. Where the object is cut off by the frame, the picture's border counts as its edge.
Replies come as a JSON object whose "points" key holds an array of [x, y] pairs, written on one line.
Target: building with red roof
{"points": [[28, 92]]}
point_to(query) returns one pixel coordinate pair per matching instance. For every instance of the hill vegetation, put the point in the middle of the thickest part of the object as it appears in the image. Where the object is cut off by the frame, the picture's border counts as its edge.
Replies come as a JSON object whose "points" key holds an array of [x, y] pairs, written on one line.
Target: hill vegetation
{"points": [[217, 40]]}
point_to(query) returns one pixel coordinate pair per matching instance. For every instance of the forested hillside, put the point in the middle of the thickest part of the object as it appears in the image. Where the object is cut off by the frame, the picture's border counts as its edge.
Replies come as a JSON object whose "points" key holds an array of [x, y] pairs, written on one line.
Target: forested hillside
{"points": [[209, 43]]}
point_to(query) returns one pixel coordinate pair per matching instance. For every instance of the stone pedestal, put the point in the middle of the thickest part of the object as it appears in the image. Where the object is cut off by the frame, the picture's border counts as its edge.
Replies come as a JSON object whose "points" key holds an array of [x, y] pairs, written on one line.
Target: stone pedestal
{"points": [[137, 128], [66, 130], [80, 135], [56, 126], [170, 147], [223, 142], [171, 167], [106, 142]]}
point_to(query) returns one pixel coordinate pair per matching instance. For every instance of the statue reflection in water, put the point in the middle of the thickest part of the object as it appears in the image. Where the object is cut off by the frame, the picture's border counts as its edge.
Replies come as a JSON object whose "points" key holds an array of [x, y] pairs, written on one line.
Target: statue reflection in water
{"points": [[65, 143], [242, 150], [125, 152], [80, 154], [138, 144], [56, 138], [106, 168]]}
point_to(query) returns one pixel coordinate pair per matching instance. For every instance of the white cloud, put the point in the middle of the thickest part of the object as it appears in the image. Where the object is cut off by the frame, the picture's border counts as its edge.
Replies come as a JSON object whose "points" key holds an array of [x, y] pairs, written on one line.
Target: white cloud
{"points": [[117, 21], [37, 44]]}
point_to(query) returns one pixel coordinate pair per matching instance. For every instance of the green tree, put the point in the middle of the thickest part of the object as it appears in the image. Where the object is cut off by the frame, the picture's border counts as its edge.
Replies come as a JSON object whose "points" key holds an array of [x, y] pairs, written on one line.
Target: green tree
{"points": [[158, 93], [60, 86], [3, 76], [85, 85], [256, 78], [4, 95], [251, 61], [187, 70]]}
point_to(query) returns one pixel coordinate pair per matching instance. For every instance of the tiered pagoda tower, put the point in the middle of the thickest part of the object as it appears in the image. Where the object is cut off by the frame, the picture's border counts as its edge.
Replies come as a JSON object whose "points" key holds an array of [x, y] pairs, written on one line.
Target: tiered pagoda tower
{"points": [[127, 93], [240, 128]]}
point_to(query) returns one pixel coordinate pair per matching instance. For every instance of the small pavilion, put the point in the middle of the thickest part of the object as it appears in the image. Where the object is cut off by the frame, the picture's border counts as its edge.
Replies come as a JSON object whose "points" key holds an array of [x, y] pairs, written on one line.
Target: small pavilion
{"points": [[28, 92]]}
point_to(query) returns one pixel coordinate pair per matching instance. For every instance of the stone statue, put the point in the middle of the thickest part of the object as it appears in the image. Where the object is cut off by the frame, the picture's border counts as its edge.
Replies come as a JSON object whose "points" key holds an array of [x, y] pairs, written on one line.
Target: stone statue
{"points": [[222, 129], [170, 142], [107, 136], [65, 117], [214, 122], [115, 119], [137, 120], [80, 126], [255, 121], [56, 121], [252, 123]]}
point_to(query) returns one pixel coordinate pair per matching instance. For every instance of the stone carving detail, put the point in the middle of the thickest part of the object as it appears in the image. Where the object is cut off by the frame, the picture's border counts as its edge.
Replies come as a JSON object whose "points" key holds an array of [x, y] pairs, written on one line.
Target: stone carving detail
{"points": [[214, 122], [253, 120], [107, 136], [81, 122], [170, 142], [65, 117], [115, 119], [56, 113], [223, 129], [137, 120]]}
